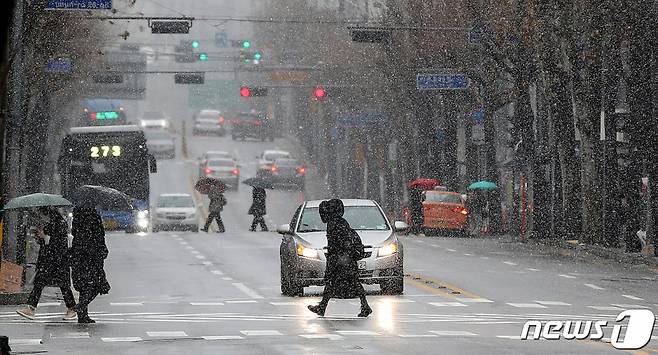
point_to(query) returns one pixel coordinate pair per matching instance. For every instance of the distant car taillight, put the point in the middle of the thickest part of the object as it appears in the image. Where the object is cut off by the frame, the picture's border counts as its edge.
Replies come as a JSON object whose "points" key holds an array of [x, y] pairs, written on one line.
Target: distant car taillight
{"points": [[301, 170], [208, 171], [274, 169], [221, 120], [461, 210], [235, 172]]}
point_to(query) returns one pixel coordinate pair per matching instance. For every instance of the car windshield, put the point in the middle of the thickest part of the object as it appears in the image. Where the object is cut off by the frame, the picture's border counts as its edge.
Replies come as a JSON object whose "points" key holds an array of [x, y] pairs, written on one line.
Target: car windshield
{"points": [[175, 201], [359, 217], [221, 162], [153, 115], [217, 155], [275, 156], [448, 198], [287, 162], [208, 115]]}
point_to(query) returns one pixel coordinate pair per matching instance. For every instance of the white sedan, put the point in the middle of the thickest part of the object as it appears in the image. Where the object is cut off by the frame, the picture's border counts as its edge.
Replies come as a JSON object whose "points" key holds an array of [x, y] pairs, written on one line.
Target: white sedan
{"points": [[175, 212]]}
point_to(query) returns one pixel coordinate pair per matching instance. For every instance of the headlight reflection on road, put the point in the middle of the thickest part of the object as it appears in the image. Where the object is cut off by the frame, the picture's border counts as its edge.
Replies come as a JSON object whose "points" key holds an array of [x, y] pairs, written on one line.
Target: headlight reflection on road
{"points": [[384, 314]]}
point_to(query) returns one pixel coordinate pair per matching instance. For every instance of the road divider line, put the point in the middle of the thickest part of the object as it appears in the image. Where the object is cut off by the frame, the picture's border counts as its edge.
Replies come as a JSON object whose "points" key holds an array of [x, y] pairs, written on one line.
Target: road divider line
{"points": [[592, 286], [634, 298], [246, 290], [121, 339], [440, 287], [566, 276]]}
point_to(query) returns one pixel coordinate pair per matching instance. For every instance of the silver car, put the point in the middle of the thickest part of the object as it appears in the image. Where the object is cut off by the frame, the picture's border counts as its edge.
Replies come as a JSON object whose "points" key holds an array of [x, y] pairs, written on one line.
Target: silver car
{"points": [[160, 143], [304, 243], [226, 170], [175, 212]]}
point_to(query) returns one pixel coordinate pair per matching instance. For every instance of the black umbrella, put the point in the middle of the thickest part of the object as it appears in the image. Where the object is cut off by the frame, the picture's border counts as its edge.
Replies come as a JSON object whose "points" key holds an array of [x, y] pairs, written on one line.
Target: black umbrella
{"points": [[106, 198], [259, 182], [208, 185]]}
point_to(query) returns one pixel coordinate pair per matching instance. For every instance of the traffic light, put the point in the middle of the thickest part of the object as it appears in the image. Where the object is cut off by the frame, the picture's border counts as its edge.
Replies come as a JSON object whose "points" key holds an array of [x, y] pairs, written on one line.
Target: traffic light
{"points": [[320, 93], [257, 56], [195, 44], [246, 44], [247, 91], [203, 57]]}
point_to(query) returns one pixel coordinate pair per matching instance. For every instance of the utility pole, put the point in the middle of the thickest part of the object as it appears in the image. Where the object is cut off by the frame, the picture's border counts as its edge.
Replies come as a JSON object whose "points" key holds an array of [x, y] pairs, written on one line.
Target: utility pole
{"points": [[15, 95]]}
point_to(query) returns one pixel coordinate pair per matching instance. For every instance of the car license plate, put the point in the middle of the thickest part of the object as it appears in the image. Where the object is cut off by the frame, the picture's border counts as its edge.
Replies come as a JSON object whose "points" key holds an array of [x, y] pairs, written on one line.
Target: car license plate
{"points": [[110, 224], [361, 264]]}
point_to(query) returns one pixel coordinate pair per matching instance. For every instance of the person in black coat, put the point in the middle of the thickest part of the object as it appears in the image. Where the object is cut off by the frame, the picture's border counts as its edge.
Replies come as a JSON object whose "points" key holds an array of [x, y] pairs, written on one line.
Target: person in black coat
{"points": [[52, 267], [416, 209], [88, 254], [217, 203], [344, 248], [258, 209]]}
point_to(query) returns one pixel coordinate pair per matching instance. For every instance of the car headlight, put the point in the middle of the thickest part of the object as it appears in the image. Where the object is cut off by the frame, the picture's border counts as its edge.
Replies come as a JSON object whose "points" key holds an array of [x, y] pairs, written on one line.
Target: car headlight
{"points": [[387, 250], [307, 252], [142, 214], [143, 223]]}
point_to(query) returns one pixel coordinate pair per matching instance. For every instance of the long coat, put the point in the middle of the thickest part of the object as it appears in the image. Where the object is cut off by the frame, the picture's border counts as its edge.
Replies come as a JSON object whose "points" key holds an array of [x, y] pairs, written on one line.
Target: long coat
{"points": [[217, 202], [52, 263], [258, 207], [344, 248], [88, 251]]}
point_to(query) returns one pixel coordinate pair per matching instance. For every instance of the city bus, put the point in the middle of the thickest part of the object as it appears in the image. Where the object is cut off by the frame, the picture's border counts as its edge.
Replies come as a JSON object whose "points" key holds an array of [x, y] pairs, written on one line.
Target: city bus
{"points": [[102, 112], [112, 156]]}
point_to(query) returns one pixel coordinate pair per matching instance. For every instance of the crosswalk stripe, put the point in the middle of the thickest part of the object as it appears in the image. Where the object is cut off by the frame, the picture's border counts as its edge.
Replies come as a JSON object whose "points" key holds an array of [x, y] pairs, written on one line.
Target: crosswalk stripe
{"points": [[284, 303], [510, 263], [474, 300], [249, 292], [417, 335], [553, 303], [126, 304], [222, 337], [592, 286], [167, 334], [357, 332], [513, 337], [634, 298], [452, 333], [260, 332], [13, 341], [621, 305], [448, 304], [567, 276], [322, 336], [121, 339], [49, 304], [242, 301], [526, 305], [206, 303], [216, 272], [605, 308]]}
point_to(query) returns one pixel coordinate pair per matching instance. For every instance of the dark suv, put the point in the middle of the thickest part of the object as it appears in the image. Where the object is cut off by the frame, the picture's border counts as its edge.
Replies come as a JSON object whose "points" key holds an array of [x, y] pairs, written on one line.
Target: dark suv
{"points": [[252, 125]]}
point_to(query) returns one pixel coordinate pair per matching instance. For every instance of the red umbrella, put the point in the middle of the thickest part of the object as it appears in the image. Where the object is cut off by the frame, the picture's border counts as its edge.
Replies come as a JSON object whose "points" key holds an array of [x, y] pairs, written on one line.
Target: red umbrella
{"points": [[207, 185], [424, 183]]}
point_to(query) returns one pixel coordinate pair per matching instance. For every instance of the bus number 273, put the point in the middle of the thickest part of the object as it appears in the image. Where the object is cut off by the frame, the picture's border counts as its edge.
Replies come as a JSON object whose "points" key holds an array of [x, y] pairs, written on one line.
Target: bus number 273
{"points": [[105, 151]]}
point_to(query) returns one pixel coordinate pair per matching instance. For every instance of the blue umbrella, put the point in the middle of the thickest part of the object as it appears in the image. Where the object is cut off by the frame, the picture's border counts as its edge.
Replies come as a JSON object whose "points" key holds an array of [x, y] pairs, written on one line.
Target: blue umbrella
{"points": [[482, 185]]}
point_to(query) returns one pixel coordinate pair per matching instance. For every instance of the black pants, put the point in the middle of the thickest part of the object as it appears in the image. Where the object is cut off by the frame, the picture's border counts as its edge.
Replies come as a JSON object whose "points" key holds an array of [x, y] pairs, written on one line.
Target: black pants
{"points": [[325, 301], [258, 220], [86, 296], [218, 218], [35, 295]]}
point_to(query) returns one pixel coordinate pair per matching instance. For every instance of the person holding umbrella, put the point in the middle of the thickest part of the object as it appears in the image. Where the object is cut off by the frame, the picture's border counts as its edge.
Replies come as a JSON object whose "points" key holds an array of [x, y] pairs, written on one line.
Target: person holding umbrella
{"points": [[52, 267], [88, 254], [217, 203], [258, 209]]}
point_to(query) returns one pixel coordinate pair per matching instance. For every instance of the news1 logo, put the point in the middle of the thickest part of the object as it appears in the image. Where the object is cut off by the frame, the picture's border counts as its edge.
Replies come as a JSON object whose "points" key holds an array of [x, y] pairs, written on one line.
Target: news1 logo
{"points": [[638, 330]]}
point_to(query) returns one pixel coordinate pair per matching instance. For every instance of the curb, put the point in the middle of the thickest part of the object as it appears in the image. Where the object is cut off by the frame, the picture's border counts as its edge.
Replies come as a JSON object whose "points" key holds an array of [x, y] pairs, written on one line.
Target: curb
{"points": [[13, 298]]}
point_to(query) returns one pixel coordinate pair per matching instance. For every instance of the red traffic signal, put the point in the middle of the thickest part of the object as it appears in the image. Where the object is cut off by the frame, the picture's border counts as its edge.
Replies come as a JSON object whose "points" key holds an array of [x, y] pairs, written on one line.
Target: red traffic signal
{"points": [[245, 91], [319, 93]]}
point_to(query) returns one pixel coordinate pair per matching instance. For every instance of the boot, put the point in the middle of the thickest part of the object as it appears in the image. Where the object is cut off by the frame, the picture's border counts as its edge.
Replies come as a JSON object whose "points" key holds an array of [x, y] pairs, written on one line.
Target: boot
{"points": [[318, 309], [365, 311]]}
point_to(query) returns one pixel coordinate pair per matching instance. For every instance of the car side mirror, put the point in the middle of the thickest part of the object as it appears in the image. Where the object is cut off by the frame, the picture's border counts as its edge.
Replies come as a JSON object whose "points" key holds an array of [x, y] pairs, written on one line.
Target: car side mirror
{"points": [[284, 229], [400, 226]]}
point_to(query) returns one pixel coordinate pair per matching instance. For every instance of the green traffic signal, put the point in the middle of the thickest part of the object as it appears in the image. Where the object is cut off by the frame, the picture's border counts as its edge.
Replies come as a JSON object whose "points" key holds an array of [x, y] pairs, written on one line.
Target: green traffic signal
{"points": [[257, 56], [195, 44], [203, 57], [246, 44]]}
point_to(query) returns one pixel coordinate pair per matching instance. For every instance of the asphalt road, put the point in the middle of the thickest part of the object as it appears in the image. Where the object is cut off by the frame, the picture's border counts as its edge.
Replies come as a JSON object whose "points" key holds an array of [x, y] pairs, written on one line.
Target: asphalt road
{"points": [[211, 293]]}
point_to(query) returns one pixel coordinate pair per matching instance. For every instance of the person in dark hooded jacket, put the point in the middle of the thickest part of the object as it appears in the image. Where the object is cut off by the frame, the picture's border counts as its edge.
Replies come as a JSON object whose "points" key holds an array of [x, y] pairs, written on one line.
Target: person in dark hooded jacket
{"points": [[88, 254], [344, 249], [52, 267], [258, 209]]}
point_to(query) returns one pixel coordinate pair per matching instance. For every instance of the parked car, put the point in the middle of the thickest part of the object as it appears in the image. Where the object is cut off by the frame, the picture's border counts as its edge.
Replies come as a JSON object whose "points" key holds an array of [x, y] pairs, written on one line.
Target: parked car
{"points": [[174, 212], [444, 211], [266, 160], [304, 242], [288, 172], [209, 122], [160, 143], [252, 125], [224, 169]]}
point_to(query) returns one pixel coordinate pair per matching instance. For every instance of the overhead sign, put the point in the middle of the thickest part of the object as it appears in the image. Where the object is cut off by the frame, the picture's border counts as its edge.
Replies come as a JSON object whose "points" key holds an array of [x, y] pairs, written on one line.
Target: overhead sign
{"points": [[189, 78], [130, 66], [165, 27], [59, 66], [442, 82], [79, 5], [290, 76]]}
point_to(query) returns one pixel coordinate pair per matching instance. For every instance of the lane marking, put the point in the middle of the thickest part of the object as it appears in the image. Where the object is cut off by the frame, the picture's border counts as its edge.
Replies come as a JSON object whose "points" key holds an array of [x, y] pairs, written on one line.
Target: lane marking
{"points": [[634, 298], [457, 333], [126, 304], [448, 304], [510, 263], [260, 332], [467, 254], [532, 269], [216, 272], [75, 335], [206, 303], [189, 247], [207, 263], [167, 334], [417, 335], [246, 290], [553, 303], [49, 304], [592, 286], [222, 337], [322, 336], [13, 341], [284, 303], [195, 252], [357, 332], [451, 250], [620, 305], [121, 339], [605, 308], [227, 278], [200, 257], [474, 300], [526, 305], [512, 337], [438, 287], [567, 276], [242, 301]]}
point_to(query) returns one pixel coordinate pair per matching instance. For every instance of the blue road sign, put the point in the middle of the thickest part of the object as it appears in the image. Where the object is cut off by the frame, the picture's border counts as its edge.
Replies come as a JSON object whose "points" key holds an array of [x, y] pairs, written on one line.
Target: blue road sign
{"points": [[79, 5], [442, 81], [478, 116], [221, 39], [59, 66]]}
